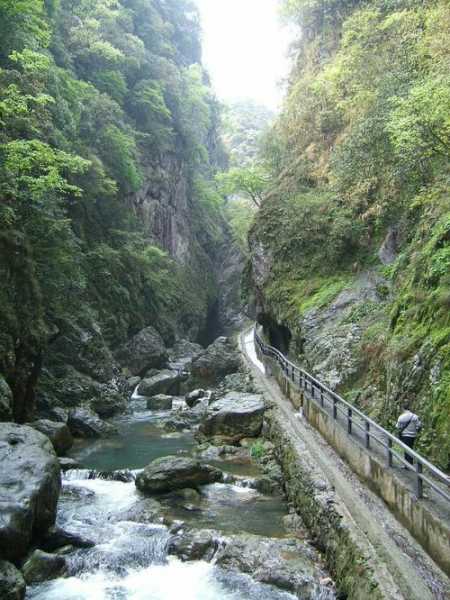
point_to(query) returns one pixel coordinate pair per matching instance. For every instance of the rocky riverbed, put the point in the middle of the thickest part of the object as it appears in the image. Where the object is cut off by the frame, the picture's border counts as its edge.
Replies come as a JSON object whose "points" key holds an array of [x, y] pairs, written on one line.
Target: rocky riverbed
{"points": [[180, 494]]}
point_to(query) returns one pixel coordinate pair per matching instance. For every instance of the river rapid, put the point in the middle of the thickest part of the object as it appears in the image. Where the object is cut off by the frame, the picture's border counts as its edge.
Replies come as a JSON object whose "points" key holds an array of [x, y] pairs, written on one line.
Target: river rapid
{"points": [[130, 559]]}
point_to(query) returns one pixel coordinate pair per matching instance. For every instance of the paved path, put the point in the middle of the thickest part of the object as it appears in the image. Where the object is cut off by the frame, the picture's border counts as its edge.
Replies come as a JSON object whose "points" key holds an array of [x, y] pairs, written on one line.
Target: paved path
{"points": [[405, 570]]}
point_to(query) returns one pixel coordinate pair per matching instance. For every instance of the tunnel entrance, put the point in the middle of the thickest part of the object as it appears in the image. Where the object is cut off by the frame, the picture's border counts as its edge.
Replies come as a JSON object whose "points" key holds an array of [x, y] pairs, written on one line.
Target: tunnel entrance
{"points": [[279, 336]]}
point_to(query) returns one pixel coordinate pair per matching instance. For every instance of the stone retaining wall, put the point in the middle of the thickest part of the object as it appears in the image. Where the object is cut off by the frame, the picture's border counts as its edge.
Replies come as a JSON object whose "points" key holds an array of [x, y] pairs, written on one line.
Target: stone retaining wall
{"points": [[416, 515], [329, 527]]}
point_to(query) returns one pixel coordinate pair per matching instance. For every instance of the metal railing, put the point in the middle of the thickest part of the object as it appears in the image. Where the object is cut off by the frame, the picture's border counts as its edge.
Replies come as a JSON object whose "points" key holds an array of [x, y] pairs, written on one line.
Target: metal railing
{"points": [[354, 420]]}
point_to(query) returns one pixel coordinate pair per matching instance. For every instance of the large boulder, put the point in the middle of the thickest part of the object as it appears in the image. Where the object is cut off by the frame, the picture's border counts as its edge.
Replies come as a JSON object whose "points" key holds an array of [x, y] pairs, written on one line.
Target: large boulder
{"points": [[58, 433], [195, 544], [6, 399], [162, 382], [12, 583], [218, 360], [108, 405], [183, 353], [285, 563], [234, 417], [144, 351], [41, 566], [85, 423], [174, 473], [69, 388], [160, 402], [30, 482]]}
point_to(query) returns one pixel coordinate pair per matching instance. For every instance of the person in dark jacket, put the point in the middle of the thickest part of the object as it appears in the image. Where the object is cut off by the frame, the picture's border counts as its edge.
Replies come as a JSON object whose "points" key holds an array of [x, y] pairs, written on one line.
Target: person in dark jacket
{"points": [[408, 426]]}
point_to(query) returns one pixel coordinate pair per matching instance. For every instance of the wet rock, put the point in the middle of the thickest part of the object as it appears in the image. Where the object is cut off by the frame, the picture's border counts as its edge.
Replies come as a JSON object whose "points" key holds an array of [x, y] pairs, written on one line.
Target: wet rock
{"points": [[6, 399], [58, 433], [56, 538], [146, 510], [160, 402], [42, 566], [76, 493], [108, 405], [164, 382], [189, 495], [67, 464], [30, 483], [285, 563], [195, 545], [183, 353], [220, 359], [85, 423], [12, 583], [142, 352], [176, 424], [122, 475], [194, 397], [235, 416], [173, 473]]}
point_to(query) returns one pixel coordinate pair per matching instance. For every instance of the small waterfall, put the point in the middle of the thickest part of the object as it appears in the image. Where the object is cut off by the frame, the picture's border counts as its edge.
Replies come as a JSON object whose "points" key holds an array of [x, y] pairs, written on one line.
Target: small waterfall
{"points": [[124, 476]]}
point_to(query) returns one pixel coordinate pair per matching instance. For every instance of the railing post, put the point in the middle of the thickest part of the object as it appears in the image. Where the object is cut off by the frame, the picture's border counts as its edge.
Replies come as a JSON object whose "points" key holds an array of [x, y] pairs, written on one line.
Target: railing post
{"points": [[321, 398], [349, 420], [389, 453], [419, 480], [367, 434], [293, 374], [334, 408]]}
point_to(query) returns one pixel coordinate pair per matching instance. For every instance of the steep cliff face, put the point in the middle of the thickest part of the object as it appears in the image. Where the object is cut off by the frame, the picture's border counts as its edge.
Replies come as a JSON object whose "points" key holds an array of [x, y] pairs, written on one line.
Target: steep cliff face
{"points": [[162, 205], [109, 221], [349, 267]]}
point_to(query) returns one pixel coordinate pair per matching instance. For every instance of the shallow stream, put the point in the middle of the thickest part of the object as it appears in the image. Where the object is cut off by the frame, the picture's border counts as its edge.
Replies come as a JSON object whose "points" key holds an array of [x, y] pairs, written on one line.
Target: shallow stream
{"points": [[129, 560]]}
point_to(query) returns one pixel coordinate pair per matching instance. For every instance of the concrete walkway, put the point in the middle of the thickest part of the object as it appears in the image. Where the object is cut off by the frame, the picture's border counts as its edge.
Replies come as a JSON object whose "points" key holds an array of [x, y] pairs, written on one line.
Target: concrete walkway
{"points": [[404, 569]]}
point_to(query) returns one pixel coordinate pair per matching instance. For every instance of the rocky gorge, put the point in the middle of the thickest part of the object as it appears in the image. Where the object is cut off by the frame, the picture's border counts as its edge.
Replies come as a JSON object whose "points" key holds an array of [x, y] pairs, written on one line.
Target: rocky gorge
{"points": [[180, 481]]}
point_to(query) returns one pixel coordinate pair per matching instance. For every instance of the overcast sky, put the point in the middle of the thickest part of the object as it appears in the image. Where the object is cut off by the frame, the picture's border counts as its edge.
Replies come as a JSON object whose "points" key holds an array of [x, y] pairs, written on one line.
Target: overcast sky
{"points": [[244, 49]]}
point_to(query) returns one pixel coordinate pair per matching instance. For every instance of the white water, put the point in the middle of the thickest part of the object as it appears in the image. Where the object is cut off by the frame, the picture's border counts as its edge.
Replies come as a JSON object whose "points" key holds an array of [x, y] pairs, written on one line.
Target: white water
{"points": [[172, 581], [129, 560], [249, 342]]}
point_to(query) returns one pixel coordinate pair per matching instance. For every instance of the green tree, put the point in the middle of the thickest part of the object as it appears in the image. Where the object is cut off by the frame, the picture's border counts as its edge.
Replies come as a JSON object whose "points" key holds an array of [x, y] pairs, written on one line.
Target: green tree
{"points": [[251, 183]]}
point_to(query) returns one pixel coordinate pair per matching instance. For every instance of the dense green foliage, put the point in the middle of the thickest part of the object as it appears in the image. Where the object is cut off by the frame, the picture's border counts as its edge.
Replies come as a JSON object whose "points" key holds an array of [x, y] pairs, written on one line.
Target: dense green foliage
{"points": [[363, 145], [94, 96]]}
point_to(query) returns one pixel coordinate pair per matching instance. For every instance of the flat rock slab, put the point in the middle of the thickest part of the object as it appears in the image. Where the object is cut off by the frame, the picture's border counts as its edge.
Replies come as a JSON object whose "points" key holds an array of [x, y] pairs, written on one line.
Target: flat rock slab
{"points": [[30, 482], [235, 416], [85, 423], [174, 473]]}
